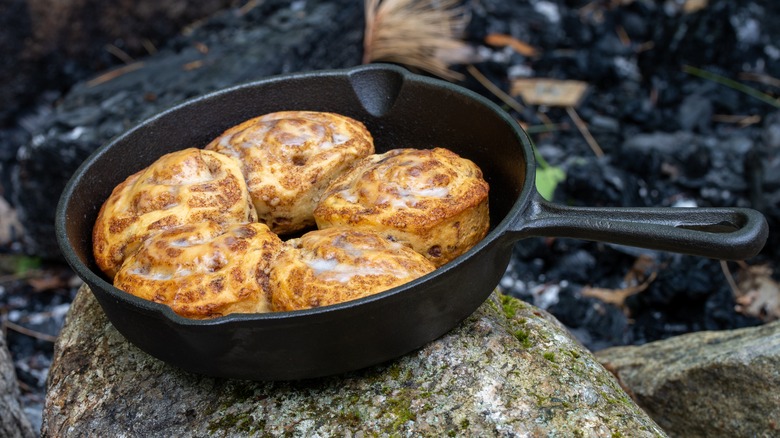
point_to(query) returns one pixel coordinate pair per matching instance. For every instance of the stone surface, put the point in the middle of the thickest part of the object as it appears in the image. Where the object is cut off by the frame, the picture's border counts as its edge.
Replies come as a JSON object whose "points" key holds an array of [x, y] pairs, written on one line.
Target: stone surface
{"points": [[13, 422], [706, 384], [509, 369]]}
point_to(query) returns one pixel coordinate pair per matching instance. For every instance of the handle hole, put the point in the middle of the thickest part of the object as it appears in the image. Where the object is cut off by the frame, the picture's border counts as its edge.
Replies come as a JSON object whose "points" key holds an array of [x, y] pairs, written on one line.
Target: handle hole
{"points": [[721, 227]]}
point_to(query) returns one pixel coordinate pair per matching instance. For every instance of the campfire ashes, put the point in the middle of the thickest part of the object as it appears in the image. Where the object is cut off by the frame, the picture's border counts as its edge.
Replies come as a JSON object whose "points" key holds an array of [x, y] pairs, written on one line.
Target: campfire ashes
{"points": [[671, 136]]}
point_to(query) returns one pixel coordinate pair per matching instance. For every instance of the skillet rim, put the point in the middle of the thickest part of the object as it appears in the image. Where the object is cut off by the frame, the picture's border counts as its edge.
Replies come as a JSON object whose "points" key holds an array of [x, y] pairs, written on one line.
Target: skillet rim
{"points": [[498, 235]]}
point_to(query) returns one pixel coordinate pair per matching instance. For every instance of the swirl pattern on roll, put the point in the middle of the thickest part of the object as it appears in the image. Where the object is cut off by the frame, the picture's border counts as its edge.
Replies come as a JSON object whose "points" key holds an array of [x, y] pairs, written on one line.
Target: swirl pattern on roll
{"points": [[290, 157], [183, 187], [430, 199], [331, 266], [204, 270]]}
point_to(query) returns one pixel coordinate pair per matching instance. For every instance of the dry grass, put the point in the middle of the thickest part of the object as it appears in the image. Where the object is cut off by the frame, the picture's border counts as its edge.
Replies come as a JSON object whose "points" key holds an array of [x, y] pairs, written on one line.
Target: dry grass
{"points": [[419, 34]]}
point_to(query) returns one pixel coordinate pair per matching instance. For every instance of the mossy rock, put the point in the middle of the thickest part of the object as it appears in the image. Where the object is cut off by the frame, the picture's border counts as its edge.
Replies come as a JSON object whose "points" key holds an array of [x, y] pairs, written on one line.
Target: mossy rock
{"points": [[509, 369], [706, 384]]}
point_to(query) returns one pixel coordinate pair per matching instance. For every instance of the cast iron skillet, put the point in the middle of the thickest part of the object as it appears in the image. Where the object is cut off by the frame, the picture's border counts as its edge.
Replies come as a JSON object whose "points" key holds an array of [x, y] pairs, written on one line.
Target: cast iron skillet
{"points": [[401, 110]]}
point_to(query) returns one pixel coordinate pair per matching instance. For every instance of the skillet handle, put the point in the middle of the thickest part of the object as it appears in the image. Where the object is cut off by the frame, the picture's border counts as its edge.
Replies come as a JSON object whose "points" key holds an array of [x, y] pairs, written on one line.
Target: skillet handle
{"points": [[720, 233]]}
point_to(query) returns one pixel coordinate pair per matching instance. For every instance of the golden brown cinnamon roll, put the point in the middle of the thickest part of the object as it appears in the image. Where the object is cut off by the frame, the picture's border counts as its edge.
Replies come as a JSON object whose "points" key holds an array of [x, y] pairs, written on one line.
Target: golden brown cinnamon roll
{"points": [[331, 266], [204, 270], [184, 187], [289, 158], [433, 200]]}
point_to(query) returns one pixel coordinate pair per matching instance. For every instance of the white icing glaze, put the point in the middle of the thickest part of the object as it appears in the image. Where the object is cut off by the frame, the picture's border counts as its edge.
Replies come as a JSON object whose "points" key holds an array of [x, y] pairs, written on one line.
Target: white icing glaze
{"points": [[332, 270], [348, 195], [433, 192], [340, 138], [152, 275], [408, 197]]}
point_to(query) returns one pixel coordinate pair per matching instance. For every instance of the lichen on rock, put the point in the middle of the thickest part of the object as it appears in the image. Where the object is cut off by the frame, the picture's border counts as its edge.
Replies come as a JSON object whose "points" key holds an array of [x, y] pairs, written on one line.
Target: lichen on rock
{"points": [[480, 379], [706, 384]]}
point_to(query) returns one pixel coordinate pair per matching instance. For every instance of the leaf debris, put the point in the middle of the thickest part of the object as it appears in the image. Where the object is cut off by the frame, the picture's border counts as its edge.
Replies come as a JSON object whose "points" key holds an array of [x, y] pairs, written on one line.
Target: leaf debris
{"points": [[422, 34], [757, 293], [637, 280]]}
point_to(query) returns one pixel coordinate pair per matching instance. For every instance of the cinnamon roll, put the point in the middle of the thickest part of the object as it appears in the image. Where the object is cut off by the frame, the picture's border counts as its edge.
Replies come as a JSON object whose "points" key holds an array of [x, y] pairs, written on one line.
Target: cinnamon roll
{"points": [[290, 157], [331, 266], [204, 270], [430, 199], [183, 187]]}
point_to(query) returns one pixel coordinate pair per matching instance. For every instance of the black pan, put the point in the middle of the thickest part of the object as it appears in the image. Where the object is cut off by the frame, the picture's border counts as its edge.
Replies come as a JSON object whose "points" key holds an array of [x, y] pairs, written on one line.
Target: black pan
{"points": [[401, 110]]}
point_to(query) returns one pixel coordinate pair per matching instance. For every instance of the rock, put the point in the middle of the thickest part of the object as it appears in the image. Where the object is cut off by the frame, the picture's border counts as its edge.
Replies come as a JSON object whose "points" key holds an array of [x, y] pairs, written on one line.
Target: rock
{"points": [[10, 227], [706, 384], [771, 131], [509, 369], [13, 422], [695, 113], [274, 37], [663, 142]]}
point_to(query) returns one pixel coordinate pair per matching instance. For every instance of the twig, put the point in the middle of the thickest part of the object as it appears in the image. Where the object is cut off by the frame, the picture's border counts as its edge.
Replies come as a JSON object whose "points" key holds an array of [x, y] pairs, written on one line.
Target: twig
{"points": [[583, 128], [119, 53], [503, 40], [29, 332], [730, 279], [248, 6], [149, 46], [618, 296], [18, 276], [545, 119], [742, 121], [113, 74], [761, 79], [192, 65], [647, 45], [732, 84], [499, 93], [623, 36]]}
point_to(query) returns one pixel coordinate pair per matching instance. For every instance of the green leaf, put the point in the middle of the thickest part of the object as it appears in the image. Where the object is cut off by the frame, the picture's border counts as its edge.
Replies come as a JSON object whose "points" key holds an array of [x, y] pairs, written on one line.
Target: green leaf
{"points": [[18, 264], [750, 91], [26, 264], [547, 176], [547, 179]]}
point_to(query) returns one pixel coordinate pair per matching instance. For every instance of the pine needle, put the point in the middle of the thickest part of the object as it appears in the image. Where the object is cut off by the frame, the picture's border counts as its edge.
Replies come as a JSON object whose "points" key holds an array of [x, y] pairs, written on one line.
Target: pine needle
{"points": [[741, 121], [760, 78], [493, 88], [503, 40], [583, 128], [119, 53], [29, 332], [422, 34], [750, 91], [115, 73]]}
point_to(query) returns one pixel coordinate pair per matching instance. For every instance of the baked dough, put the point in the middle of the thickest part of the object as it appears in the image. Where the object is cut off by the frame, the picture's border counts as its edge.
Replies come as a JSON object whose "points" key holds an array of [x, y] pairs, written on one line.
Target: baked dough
{"points": [[289, 158], [431, 199], [331, 266], [184, 232], [183, 187], [204, 270]]}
